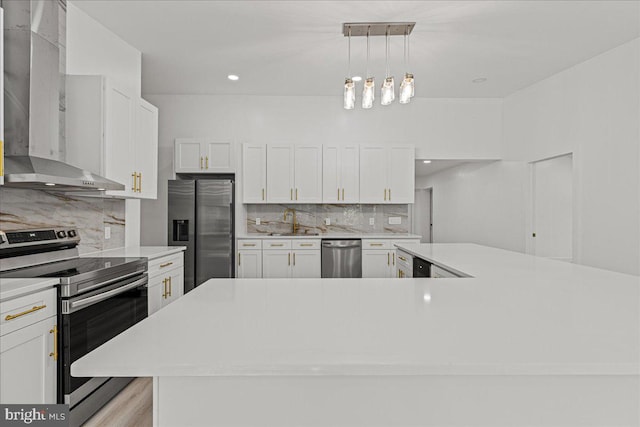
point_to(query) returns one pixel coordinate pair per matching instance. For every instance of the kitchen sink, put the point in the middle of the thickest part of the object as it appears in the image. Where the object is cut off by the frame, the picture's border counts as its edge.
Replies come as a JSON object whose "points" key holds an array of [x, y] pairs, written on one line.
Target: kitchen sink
{"points": [[294, 234]]}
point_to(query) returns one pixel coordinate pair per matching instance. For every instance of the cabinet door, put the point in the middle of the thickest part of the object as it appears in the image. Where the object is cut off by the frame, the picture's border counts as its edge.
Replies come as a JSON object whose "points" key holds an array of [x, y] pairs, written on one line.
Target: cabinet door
{"points": [[176, 285], [373, 174], [276, 263], [306, 264], [330, 174], [376, 263], [350, 174], [279, 173], [27, 364], [401, 174], [119, 148], [146, 148], [254, 173], [219, 157], [188, 157], [307, 174], [249, 264], [155, 294]]}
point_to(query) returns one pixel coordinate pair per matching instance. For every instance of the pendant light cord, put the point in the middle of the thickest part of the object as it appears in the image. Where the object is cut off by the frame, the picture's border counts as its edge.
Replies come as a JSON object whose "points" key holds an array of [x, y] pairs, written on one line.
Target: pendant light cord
{"points": [[368, 50], [349, 57], [387, 51]]}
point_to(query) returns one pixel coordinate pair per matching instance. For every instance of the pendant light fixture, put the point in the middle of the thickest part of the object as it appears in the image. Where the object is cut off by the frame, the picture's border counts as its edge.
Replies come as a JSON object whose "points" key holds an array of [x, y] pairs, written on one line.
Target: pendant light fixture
{"points": [[387, 90], [407, 87], [349, 85], [368, 93]]}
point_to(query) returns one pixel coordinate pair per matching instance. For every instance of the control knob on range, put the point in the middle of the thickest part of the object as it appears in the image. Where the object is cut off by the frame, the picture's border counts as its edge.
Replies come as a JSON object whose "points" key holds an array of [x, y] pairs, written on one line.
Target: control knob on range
{"points": [[72, 233], [61, 234]]}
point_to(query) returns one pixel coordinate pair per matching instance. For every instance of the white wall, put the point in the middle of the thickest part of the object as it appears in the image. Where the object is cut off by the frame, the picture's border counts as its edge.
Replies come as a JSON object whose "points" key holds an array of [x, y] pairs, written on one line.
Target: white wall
{"points": [[480, 203], [92, 49], [439, 128], [593, 111]]}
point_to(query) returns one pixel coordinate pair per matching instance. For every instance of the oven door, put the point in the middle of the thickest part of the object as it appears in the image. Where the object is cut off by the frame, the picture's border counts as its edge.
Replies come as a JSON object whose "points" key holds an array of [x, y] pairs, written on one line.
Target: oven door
{"points": [[90, 320]]}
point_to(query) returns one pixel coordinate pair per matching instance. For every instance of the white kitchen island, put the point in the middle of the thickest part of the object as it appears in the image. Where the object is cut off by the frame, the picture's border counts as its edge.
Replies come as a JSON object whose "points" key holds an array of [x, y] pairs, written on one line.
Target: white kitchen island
{"points": [[525, 341]]}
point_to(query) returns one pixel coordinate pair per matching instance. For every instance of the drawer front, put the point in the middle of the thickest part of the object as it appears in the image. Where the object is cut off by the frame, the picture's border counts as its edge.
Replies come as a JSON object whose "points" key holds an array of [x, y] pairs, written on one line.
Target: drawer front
{"points": [[405, 241], [303, 244], [404, 259], [27, 310], [249, 244], [376, 244], [439, 272], [276, 244], [164, 264]]}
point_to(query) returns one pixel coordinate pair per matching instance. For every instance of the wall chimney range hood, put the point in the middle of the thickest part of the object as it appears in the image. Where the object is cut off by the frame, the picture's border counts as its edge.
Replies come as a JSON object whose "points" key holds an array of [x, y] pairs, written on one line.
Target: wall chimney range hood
{"points": [[34, 100]]}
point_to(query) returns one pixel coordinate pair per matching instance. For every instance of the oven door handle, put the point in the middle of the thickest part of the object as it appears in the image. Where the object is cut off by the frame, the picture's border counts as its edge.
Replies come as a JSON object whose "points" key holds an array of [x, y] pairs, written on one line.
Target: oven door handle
{"points": [[106, 295], [110, 281]]}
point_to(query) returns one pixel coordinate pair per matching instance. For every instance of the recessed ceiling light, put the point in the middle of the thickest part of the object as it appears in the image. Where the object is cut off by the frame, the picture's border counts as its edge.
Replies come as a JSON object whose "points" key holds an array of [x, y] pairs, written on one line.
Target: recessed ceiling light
{"points": [[356, 78], [49, 184], [101, 189], [426, 161], [233, 77], [479, 80]]}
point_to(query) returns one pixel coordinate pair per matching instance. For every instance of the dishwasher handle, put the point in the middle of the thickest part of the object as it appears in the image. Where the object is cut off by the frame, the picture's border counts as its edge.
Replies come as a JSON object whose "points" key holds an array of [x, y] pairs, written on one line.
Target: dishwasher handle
{"points": [[342, 244]]}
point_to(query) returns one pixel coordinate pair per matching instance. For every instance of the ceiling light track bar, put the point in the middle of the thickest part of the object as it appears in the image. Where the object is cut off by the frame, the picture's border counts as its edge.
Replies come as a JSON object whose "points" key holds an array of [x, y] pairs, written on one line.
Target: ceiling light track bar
{"points": [[359, 29]]}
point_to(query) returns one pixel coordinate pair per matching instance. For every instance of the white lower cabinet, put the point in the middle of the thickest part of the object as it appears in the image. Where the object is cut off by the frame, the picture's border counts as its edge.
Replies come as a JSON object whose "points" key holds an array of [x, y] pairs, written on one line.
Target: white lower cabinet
{"points": [[28, 354], [379, 258], [291, 258], [166, 281], [404, 264], [249, 264]]}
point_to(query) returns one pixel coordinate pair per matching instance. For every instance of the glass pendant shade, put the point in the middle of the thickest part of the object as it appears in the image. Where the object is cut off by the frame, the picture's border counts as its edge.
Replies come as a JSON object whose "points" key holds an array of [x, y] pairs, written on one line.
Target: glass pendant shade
{"points": [[388, 91], [349, 94], [368, 93], [407, 89]]}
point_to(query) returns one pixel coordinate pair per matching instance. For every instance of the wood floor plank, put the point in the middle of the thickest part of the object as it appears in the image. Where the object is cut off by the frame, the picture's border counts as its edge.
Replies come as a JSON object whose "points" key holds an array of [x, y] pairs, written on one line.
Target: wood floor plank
{"points": [[132, 407]]}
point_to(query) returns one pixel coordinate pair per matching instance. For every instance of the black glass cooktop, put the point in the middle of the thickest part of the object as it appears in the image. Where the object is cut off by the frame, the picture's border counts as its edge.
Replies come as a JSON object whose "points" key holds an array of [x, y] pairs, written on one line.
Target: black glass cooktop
{"points": [[70, 268]]}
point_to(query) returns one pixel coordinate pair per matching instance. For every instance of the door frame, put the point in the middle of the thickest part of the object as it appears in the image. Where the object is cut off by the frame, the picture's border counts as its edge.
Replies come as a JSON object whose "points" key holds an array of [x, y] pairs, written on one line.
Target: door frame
{"points": [[412, 212]]}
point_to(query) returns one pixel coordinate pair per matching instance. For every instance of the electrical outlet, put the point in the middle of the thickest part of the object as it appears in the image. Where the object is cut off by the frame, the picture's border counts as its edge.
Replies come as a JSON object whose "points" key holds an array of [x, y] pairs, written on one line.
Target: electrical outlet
{"points": [[257, 221], [395, 220], [107, 233], [372, 221], [327, 221]]}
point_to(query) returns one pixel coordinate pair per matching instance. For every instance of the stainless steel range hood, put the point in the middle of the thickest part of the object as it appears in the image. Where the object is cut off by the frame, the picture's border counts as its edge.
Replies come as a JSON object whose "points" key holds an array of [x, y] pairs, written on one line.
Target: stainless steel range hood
{"points": [[34, 100]]}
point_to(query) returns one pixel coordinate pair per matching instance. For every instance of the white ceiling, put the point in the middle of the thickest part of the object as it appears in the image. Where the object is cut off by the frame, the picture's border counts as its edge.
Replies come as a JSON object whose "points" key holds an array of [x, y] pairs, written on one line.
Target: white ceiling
{"points": [[297, 47], [425, 169]]}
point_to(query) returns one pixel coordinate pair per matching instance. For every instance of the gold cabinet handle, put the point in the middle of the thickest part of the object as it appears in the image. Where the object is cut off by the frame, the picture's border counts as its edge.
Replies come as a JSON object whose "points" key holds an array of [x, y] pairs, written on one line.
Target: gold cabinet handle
{"points": [[201, 162], [389, 194], [289, 262], [207, 162], [170, 290], [343, 194], [402, 258], [263, 194], [167, 264], [248, 244], [306, 244], [338, 194], [31, 310], [135, 182], [54, 353], [277, 244], [140, 182], [165, 294], [388, 259], [296, 194], [394, 258], [385, 194], [291, 194], [238, 258], [294, 258], [375, 244]]}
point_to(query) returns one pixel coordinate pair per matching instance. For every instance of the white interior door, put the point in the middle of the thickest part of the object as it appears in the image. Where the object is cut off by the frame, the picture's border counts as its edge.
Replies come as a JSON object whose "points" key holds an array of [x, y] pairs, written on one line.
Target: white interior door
{"points": [[552, 218]]}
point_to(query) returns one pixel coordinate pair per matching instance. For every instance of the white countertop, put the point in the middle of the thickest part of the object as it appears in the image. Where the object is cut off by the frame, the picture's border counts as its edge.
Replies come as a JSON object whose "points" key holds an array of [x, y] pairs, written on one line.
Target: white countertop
{"points": [[333, 236], [518, 315], [149, 252], [13, 288]]}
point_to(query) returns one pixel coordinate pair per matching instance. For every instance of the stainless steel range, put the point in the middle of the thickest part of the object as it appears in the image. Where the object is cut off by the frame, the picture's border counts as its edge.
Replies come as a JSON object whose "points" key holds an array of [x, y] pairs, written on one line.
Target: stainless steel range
{"points": [[98, 298]]}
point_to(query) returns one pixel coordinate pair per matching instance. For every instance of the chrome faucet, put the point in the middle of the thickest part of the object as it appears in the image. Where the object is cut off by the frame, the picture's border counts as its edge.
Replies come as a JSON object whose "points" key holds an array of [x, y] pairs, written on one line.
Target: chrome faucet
{"points": [[293, 215]]}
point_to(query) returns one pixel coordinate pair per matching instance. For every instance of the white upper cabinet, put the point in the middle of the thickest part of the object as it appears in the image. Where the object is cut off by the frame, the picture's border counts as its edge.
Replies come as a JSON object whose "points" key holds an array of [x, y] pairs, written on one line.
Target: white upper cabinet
{"points": [[201, 155], [340, 174], [387, 174], [294, 173], [280, 173], [254, 173], [307, 174], [112, 133]]}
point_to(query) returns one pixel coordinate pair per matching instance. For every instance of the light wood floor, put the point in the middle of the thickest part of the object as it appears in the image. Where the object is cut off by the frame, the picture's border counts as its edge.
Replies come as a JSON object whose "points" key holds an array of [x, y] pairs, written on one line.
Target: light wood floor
{"points": [[132, 407]]}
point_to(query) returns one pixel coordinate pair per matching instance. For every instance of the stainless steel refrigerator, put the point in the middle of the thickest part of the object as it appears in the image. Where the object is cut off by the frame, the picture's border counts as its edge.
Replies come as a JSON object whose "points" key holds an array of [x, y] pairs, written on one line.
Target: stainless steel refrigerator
{"points": [[201, 217]]}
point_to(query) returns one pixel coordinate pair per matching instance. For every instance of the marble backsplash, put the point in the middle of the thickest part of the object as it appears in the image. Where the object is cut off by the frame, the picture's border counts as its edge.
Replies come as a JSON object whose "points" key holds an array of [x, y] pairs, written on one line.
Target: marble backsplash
{"points": [[343, 218], [23, 209]]}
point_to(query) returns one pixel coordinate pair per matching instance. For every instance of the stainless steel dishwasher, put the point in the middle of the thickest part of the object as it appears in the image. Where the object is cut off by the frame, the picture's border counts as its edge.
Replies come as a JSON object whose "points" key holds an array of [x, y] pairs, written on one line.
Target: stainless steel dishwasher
{"points": [[341, 258]]}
